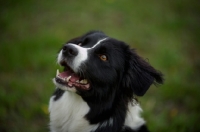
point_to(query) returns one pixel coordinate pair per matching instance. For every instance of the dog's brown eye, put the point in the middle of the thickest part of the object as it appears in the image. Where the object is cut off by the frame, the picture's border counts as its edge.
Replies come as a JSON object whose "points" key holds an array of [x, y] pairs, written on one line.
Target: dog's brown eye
{"points": [[103, 57]]}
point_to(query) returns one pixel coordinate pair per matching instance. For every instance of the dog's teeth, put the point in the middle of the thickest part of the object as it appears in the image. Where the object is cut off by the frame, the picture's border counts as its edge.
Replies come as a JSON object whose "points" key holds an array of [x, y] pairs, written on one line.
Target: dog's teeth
{"points": [[77, 81], [57, 72], [81, 81], [67, 79], [70, 84], [84, 81]]}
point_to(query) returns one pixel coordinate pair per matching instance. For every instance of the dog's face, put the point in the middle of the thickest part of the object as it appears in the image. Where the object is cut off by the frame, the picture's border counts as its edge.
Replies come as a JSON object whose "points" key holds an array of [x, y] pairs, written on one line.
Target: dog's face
{"points": [[97, 64]]}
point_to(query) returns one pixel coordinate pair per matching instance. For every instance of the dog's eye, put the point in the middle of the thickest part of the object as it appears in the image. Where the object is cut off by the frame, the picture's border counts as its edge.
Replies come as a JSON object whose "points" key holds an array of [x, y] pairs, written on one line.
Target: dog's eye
{"points": [[103, 57]]}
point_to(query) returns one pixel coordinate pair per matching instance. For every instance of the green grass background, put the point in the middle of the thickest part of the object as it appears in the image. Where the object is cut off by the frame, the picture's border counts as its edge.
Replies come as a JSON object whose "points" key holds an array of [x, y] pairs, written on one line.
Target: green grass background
{"points": [[167, 33]]}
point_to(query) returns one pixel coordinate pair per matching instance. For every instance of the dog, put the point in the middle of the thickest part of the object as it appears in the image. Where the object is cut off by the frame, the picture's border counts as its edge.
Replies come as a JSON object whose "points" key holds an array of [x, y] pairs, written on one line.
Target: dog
{"points": [[96, 90]]}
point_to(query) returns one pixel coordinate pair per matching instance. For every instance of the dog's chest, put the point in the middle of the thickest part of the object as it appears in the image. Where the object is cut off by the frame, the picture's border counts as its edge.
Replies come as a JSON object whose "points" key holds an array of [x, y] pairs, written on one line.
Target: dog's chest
{"points": [[67, 114]]}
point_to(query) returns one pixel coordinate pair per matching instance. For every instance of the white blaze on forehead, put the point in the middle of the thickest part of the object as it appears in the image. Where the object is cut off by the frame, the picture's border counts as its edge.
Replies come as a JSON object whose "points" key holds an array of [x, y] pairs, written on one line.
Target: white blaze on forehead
{"points": [[82, 55], [101, 40]]}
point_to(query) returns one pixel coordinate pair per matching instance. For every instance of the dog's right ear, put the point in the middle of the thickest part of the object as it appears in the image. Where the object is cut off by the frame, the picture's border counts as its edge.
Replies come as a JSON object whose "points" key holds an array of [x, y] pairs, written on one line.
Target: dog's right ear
{"points": [[82, 38], [139, 74], [76, 40]]}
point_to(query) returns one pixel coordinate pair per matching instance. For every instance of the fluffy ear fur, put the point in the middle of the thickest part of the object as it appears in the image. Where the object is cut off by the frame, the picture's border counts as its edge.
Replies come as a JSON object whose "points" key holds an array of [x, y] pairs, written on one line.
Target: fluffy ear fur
{"points": [[140, 74]]}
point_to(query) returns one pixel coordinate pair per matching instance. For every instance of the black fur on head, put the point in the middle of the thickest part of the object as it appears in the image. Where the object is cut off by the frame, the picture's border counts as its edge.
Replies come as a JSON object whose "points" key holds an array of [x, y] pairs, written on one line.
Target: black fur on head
{"points": [[125, 72]]}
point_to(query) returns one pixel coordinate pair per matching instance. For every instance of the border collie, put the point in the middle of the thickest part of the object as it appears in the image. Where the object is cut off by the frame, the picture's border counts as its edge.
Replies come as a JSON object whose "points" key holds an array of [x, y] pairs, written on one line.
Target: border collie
{"points": [[96, 90]]}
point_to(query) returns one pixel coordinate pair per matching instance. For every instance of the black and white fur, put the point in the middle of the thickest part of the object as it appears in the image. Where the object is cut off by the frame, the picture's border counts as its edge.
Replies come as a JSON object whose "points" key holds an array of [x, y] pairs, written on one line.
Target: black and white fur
{"points": [[109, 104]]}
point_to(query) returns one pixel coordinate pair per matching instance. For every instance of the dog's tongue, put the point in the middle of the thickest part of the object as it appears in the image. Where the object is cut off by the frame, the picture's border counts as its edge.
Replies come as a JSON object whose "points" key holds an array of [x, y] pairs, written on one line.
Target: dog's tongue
{"points": [[66, 74]]}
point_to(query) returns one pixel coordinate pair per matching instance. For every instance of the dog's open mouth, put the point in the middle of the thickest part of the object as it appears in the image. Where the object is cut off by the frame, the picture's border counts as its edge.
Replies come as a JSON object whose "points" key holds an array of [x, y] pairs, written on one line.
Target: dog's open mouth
{"points": [[71, 79]]}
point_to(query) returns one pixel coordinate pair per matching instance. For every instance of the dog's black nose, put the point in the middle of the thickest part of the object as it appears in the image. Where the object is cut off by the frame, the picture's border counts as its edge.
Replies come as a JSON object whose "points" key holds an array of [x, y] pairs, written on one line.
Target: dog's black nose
{"points": [[69, 50]]}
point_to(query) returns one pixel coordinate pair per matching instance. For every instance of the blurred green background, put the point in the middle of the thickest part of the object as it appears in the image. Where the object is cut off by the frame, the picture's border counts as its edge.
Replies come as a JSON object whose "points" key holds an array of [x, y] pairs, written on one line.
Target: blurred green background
{"points": [[167, 33]]}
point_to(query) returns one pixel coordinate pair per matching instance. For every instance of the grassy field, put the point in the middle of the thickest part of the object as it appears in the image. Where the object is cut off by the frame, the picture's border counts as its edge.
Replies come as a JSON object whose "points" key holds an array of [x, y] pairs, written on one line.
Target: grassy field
{"points": [[167, 33]]}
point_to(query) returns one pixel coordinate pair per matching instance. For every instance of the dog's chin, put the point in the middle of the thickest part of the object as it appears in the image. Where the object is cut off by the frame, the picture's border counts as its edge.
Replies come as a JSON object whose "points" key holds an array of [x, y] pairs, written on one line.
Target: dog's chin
{"points": [[64, 87]]}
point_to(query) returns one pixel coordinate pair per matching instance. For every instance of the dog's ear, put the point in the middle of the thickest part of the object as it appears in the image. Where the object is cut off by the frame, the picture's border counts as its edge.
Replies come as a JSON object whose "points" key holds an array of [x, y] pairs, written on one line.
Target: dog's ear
{"points": [[140, 74], [76, 40], [82, 38]]}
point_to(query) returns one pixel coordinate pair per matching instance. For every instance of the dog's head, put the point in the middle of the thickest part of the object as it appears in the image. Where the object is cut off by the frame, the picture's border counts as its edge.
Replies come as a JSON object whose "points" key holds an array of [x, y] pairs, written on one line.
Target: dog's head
{"points": [[95, 64]]}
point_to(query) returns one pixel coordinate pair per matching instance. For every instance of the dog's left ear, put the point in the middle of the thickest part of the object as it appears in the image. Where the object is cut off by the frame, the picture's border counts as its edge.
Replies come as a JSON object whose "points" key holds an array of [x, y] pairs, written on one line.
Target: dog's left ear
{"points": [[140, 74]]}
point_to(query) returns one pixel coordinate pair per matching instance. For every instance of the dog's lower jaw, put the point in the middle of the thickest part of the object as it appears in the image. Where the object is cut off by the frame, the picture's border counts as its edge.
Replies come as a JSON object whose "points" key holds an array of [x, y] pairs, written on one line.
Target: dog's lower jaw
{"points": [[62, 87]]}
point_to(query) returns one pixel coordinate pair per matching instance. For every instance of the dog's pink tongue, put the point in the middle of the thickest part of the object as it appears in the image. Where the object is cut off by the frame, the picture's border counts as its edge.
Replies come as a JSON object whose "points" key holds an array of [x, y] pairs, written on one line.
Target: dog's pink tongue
{"points": [[66, 74]]}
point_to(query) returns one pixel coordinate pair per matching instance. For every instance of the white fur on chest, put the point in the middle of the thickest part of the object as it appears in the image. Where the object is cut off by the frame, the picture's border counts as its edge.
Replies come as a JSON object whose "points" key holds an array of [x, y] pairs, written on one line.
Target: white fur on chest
{"points": [[133, 118], [67, 114]]}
